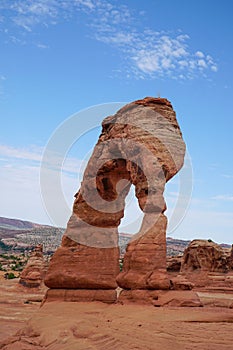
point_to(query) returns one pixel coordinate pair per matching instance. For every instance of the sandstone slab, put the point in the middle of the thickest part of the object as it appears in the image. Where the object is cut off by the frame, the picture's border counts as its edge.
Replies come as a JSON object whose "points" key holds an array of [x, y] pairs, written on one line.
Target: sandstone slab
{"points": [[81, 295]]}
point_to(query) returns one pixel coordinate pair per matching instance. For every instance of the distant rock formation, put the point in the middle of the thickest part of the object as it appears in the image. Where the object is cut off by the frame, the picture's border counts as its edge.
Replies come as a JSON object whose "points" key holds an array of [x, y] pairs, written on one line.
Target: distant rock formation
{"points": [[230, 259], [206, 255], [140, 145], [35, 269]]}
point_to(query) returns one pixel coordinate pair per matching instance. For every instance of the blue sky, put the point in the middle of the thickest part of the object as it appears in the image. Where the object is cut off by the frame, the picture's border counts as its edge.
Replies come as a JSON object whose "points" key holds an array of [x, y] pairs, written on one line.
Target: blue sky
{"points": [[60, 57]]}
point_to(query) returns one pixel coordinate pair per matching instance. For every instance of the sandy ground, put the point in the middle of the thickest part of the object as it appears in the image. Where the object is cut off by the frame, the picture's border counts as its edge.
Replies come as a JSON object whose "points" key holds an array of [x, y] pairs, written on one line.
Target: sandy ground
{"points": [[89, 326]]}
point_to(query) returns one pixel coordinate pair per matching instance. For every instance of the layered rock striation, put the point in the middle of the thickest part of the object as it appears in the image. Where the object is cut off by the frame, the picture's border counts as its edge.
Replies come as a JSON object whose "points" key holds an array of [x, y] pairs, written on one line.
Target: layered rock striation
{"points": [[206, 255], [206, 265], [140, 146]]}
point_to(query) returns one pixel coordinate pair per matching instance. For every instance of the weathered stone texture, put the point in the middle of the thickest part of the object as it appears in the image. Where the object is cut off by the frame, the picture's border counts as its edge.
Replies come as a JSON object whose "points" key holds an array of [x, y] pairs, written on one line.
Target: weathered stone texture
{"points": [[206, 255], [140, 145], [35, 269], [75, 266], [145, 258]]}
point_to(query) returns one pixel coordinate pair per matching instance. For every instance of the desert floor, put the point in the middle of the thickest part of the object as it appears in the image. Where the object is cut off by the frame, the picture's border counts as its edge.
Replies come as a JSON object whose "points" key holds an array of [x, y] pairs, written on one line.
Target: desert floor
{"points": [[86, 326]]}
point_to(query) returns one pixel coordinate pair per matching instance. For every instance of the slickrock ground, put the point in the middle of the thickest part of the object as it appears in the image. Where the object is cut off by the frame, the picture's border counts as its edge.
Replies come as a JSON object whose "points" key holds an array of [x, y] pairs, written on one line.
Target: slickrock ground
{"points": [[17, 305], [98, 326]]}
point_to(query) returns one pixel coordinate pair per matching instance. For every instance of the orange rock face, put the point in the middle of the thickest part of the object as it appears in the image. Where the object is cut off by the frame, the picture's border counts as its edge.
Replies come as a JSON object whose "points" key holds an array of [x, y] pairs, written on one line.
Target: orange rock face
{"points": [[140, 145]]}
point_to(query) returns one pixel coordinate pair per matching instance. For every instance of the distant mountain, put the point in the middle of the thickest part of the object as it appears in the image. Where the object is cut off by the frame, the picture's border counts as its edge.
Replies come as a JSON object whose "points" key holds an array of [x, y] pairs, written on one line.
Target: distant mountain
{"points": [[20, 235], [16, 224]]}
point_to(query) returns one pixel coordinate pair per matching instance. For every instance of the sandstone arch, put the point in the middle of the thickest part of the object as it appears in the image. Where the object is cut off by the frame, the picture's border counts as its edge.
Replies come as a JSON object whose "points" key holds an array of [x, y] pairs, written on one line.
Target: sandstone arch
{"points": [[141, 145]]}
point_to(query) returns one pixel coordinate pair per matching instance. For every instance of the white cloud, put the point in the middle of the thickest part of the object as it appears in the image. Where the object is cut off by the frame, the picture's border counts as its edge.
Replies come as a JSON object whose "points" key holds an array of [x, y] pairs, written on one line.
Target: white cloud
{"points": [[87, 3], [147, 53], [21, 187], [150, 53], [147, 63], [34, 154], [116, 38], [227, 176], [183, 63], [42, 46], [21, 193], [199, 54], [202, 63], [224, 197], [214, 68]]}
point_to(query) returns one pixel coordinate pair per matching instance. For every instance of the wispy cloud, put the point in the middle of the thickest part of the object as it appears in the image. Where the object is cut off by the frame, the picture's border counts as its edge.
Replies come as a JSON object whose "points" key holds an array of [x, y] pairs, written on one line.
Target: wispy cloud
{"points": [[42, 46], [21, 192], [227, 176], [20, 179], [224, 197], [32, 156], [147, 53]]}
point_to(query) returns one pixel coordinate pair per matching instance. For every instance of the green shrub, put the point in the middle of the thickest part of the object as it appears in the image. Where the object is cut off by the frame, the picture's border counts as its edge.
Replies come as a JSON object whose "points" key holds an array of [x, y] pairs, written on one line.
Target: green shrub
{"points": [[10, 275], [121, 264]]}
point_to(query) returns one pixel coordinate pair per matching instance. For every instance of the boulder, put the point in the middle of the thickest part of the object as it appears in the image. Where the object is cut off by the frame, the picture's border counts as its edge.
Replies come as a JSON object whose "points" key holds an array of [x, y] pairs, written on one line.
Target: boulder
{"points": [[180, 282], [205, 255]]}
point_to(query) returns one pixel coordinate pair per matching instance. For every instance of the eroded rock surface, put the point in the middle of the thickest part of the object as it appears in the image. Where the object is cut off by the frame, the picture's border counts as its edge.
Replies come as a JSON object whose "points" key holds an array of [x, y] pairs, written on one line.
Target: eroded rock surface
{"points": [[174, 263], [140, 145], [206, 255], [35, 269], [208, 266]]}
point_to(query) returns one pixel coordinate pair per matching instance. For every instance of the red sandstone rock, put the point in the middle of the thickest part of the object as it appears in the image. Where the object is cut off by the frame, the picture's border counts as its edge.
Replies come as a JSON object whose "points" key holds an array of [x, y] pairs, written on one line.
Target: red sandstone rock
{"points": [[160, 298], [81, 295], [174, 263], [181, 283], [75, 266], [230, 259], [140, 145], [35, 269], [205, 256], [145, 259], [138, 296], [171, 298]]}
